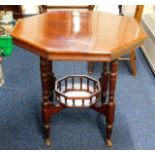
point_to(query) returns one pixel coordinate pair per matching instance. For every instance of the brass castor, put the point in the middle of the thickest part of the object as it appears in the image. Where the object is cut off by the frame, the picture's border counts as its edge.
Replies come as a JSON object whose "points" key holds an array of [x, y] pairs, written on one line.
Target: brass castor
{"points": [[108, 142], [48, 142]]}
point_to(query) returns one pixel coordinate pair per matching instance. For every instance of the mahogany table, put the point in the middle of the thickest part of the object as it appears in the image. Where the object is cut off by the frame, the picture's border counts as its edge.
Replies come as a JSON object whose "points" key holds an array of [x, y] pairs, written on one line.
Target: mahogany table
{"points": [[79, 36]]}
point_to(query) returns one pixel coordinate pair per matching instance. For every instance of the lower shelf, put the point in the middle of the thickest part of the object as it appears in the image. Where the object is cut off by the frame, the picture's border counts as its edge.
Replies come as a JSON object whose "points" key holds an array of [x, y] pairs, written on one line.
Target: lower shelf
{"points": [[77, 91]]}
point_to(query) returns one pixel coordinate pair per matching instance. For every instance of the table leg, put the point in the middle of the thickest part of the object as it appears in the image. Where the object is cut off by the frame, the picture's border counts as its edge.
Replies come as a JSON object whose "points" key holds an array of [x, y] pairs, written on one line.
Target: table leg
{"points": [[52, 79], [104, 82], [46, 113], [90, 67], [111, 102]]}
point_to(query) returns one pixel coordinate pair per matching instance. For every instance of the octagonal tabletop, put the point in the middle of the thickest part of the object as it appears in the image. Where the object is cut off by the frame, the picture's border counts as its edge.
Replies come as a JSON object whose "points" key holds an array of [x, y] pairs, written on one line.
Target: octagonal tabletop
{"points": [[75, 35]]}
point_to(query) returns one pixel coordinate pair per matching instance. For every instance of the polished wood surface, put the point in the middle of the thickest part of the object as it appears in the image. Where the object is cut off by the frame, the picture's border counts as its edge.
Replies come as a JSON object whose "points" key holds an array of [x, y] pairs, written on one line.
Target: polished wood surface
{"points": [[90, 36], [132, 59]]}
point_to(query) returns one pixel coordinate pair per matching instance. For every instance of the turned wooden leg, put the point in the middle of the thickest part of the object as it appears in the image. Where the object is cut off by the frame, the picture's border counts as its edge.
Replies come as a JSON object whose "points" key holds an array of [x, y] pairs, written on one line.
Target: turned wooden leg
{"points": [[104, 82], [90, 67], [111, 102], [45, 80], [46, 115], [52, 79], [133, 63]]}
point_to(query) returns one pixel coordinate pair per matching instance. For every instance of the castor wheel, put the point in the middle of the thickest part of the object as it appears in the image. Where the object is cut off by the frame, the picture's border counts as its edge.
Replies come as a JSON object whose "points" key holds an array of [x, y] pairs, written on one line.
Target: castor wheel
{"points": [[48, 142], [108, 142]]}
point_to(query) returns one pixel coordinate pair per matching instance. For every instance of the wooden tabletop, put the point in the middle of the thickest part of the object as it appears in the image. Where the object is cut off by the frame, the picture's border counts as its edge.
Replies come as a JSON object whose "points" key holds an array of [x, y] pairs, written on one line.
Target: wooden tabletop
{"points": [[78, 36]]}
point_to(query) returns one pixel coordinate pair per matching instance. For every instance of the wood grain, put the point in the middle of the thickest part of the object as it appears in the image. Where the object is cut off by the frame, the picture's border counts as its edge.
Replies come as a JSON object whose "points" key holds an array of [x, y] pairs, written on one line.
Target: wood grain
{"points": [[89, 36]]}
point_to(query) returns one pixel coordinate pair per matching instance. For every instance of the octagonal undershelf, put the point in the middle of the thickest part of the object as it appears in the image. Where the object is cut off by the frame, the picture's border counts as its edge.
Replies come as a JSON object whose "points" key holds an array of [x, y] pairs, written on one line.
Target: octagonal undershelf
{"points": [[77, 91]]}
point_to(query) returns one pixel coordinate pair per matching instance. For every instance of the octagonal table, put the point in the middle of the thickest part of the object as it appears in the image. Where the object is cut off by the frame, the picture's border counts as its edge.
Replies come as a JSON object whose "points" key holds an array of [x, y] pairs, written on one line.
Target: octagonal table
{"points": [[79, 36]]}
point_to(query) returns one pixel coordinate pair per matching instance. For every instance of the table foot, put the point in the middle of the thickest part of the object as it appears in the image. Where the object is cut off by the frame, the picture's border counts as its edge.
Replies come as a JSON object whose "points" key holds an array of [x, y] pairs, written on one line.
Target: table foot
{"points": [[108, 142], [48, 141]]}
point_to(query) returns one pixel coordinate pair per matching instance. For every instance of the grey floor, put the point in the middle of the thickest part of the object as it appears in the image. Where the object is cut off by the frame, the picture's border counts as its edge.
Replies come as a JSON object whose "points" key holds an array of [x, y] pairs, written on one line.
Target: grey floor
{"points": [[20, 116]]}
